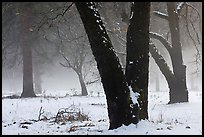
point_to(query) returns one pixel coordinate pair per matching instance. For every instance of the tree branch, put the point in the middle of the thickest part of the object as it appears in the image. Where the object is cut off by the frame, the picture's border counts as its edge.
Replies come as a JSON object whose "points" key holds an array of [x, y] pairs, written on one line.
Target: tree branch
{"points": [[164, 68], [198, 56], [162, 40], [47, 19], [62, 14], [189, 5], [40, 113], [68, 62], [161, 15], [66, 66]]}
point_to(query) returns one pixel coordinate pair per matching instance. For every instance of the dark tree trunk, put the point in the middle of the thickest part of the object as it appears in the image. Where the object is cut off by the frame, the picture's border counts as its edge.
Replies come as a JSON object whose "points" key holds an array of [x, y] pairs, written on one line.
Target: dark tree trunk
{"points": [[27, 57], [113, 80], [181, 92], [27, 72], [82, 83], [137, 61]]}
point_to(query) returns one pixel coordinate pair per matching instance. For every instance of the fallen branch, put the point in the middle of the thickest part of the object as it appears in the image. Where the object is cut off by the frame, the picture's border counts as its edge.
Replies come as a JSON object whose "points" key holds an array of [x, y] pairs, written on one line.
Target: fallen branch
{"points": [[40, 113]]}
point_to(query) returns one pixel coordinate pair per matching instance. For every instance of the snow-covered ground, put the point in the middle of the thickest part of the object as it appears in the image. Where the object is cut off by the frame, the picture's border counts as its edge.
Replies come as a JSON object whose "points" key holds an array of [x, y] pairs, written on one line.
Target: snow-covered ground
{"points": [[164, 119]]}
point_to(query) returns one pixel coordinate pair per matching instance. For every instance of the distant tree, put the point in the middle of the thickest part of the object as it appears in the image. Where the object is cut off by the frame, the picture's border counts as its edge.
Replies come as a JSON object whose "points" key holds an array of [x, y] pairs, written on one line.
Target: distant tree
{"points": [[176, 79], [20, 21], [72, 47], [25, 18], [17, 32], [75, 56], [10, 28]]}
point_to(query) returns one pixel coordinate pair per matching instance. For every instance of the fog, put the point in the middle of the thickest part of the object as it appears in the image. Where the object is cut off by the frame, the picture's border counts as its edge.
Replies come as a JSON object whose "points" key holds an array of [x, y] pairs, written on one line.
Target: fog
{"points": [[58, 78], [67, 34], [55, 78]]}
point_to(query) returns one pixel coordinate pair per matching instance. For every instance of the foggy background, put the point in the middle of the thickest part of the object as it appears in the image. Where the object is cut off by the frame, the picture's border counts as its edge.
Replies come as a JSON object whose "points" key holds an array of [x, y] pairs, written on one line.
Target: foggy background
{"points": [[59, 78], [56, 77]]}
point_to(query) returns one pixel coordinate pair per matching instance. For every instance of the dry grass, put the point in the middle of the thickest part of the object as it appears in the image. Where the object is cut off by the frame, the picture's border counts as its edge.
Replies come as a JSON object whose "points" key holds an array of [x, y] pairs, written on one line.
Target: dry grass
{"points": [[71, 113]]}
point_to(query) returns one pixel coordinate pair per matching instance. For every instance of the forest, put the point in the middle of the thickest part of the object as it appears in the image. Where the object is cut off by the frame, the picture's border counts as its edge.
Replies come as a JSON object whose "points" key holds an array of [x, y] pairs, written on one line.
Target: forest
{"points": [[101, 68]]}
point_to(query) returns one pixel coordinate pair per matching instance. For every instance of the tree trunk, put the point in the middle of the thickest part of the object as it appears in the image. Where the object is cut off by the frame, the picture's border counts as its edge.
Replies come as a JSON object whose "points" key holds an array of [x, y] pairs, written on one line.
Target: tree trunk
{"points": [[27, 72], [82, 83], [27, 58], [137, 61], [176, 56], [112, 78]]}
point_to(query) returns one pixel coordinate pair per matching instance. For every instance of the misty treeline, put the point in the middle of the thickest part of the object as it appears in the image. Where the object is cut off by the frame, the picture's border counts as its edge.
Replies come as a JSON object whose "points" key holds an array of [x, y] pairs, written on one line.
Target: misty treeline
{"points": [[108, 41]]}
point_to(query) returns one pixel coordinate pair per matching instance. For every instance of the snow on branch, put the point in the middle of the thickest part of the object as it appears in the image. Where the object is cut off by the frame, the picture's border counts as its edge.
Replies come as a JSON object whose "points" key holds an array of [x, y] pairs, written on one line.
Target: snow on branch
{"points": [[162, 40], [160, 61], [161, 15], [180, 7], [121, 53]]}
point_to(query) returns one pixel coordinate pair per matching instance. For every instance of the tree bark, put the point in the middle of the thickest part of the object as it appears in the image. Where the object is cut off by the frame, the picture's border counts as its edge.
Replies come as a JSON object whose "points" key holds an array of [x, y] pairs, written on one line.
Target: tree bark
{"points": [[112, 78], [137, 61], [27, 72], [181, 92], [27, 57]]}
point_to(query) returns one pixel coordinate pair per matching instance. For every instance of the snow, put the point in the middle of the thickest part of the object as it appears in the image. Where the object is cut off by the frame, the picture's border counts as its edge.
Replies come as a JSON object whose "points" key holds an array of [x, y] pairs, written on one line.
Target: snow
{"points": [[131, 15], [134, 96], [97, 17], [164, 119], [104, 38], [180, 6], [131, 62], [91, 5], [160, 13], [100, 27]]}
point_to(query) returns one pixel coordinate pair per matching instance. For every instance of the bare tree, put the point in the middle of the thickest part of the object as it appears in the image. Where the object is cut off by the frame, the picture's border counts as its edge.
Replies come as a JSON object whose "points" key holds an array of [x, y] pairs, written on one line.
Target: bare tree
{"points": [[176, 79], [25, 18], [17, 46], [75, 56]]}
